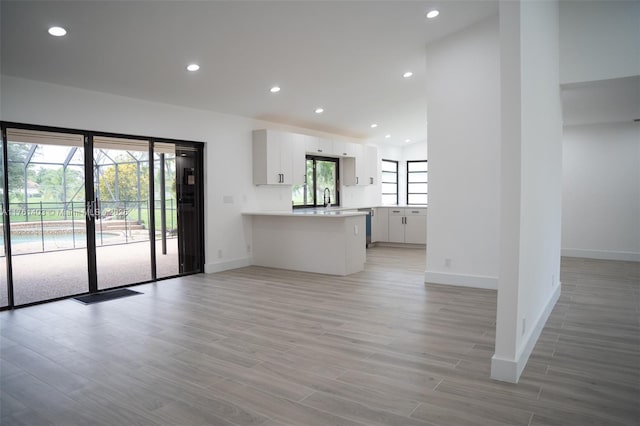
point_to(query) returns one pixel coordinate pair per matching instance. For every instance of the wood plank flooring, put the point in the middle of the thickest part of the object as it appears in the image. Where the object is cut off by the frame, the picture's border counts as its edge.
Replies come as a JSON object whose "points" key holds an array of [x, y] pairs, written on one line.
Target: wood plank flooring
{"points": [[264, 347]]}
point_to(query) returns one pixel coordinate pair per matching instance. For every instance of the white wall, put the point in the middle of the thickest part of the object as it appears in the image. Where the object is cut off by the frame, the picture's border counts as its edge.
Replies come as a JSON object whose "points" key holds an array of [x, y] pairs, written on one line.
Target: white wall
{"points": [[601, 191], [464, 157], [531, 181], [228, 154], [599, 40]]}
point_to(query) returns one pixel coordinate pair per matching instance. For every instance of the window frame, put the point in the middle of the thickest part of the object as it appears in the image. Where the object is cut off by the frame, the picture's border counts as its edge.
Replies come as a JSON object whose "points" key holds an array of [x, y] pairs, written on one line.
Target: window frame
{"points": [[409, 183], [335, 196], [397, 183]]}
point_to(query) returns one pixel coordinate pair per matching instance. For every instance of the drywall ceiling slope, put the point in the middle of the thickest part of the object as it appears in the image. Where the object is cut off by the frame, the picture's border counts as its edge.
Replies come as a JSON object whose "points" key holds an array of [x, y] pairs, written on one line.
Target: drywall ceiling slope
{"points": [[605, 101], [347, 57]]}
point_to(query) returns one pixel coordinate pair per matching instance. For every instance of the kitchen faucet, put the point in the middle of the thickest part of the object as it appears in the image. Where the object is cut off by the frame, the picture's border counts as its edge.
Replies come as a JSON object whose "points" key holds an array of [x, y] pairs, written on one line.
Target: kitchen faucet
{"points": [[327, 197]]}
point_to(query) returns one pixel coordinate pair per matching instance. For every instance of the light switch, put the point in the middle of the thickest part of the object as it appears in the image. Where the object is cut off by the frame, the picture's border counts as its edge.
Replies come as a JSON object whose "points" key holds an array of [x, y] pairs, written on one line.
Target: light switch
{"points": [[355, 229]]}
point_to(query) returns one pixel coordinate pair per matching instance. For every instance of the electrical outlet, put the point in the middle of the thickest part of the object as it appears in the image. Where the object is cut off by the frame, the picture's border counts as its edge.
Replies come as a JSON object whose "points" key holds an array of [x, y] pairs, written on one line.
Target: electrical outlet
{"points": [[524, 325], [219, 253], [447, 263], [355, 229], [248, 248]]}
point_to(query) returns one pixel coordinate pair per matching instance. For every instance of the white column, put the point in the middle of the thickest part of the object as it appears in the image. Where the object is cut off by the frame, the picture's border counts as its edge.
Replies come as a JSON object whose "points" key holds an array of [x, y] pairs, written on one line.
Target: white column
{"points": [[531, 181]]}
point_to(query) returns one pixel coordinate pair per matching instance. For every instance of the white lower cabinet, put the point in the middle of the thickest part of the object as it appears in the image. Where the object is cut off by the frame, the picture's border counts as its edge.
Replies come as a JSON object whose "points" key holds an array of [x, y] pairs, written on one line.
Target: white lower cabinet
{"points": [[380, 225], [415, 226], [407, 225]]}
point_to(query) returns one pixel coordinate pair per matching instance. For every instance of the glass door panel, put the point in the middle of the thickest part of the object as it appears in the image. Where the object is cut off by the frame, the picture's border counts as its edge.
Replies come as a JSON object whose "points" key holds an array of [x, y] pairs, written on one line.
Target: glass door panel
{"points": [[121, 186], [166, 208], [46, 214], [4, 291]]}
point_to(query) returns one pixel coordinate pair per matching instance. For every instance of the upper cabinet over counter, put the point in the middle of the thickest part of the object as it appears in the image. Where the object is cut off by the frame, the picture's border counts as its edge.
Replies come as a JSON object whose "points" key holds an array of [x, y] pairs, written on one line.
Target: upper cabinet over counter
{"points": [[279, 158]]}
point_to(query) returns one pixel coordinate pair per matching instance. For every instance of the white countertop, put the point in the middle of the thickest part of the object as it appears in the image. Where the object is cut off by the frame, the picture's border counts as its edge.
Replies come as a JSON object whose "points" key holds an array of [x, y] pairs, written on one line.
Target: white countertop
{"points": [[337, 211], [328, 213]]}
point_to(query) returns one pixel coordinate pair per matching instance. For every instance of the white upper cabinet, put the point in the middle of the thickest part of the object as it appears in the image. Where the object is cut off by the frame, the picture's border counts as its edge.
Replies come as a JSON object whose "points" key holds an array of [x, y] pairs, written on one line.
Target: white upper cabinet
{"points": [[299, 164], [279, 158], [344, 149], [370, 158], [319, 146], [276, 160], [362, 168]]}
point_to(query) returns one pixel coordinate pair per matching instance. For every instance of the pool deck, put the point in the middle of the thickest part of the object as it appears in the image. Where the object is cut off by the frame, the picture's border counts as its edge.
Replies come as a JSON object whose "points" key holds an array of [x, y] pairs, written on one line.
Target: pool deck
{"points": [[49, 275]]}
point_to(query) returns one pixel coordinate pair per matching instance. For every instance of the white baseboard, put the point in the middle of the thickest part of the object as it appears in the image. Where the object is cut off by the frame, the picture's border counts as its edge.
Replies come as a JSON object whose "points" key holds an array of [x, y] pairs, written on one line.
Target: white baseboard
{"points": [[509, 370], [628, 256], [225, 265], [461, 280]]}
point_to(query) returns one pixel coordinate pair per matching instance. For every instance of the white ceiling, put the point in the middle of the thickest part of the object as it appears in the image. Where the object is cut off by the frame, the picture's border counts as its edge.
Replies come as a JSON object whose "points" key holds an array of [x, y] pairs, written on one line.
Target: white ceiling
{"points": [[345, 56]]}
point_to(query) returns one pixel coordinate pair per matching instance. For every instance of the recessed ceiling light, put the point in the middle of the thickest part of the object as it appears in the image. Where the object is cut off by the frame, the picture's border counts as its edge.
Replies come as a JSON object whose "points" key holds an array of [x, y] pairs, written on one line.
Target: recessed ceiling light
{"points": [[274, 89], [407, 74], [57, 31], [374, 125], [387, 136], [433, 13], [193, 67], [407, 140], [319, 110]]}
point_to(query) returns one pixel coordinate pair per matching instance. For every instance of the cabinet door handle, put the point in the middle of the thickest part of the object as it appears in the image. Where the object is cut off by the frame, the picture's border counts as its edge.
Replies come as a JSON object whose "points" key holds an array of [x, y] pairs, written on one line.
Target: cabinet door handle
{"points": [[283, 178], [415, 211], [344, 153], [319, 150], [356, 180], [371, 180]]}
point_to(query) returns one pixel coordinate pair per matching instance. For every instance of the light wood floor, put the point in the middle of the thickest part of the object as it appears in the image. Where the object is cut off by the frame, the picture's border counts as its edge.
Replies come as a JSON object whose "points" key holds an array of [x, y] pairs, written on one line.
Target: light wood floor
{"points": [[258, 346]]}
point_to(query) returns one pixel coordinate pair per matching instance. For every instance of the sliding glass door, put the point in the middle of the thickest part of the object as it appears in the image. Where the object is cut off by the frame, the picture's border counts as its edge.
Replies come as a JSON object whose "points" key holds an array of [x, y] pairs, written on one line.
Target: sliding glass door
{"points": [[121, 190], [166, 210], [85, 212], [46, 214], [4, 289]]}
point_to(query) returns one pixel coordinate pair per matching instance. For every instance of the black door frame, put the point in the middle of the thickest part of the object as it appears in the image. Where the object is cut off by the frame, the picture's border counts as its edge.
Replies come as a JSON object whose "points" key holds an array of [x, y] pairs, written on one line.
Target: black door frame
{"points": [[88, 137]]}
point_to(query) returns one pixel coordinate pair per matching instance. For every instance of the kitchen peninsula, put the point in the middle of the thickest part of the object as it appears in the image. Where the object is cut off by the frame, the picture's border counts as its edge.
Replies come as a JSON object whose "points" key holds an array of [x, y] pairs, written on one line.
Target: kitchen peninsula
{"points": [[321, 241]]}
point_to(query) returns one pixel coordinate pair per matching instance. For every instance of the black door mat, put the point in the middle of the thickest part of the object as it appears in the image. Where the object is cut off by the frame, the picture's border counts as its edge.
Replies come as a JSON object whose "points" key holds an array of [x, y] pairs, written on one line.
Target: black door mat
{"points": [[105, 295]]}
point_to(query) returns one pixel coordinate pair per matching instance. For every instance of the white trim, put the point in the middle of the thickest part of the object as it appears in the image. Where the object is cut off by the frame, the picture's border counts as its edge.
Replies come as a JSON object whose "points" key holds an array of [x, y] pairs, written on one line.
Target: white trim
{"points": [[509, 370], [461, 280], [628, 256], [210, 268]]}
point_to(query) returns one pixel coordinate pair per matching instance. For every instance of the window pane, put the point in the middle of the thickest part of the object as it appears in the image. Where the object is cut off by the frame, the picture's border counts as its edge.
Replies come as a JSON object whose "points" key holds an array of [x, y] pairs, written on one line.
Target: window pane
{"points": [[325, 180], [389, 188], [389, 177], [326, 177], [417, 177], [417, 166], [388, 200], [389, 166], [420, 188], [417, 199]]}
